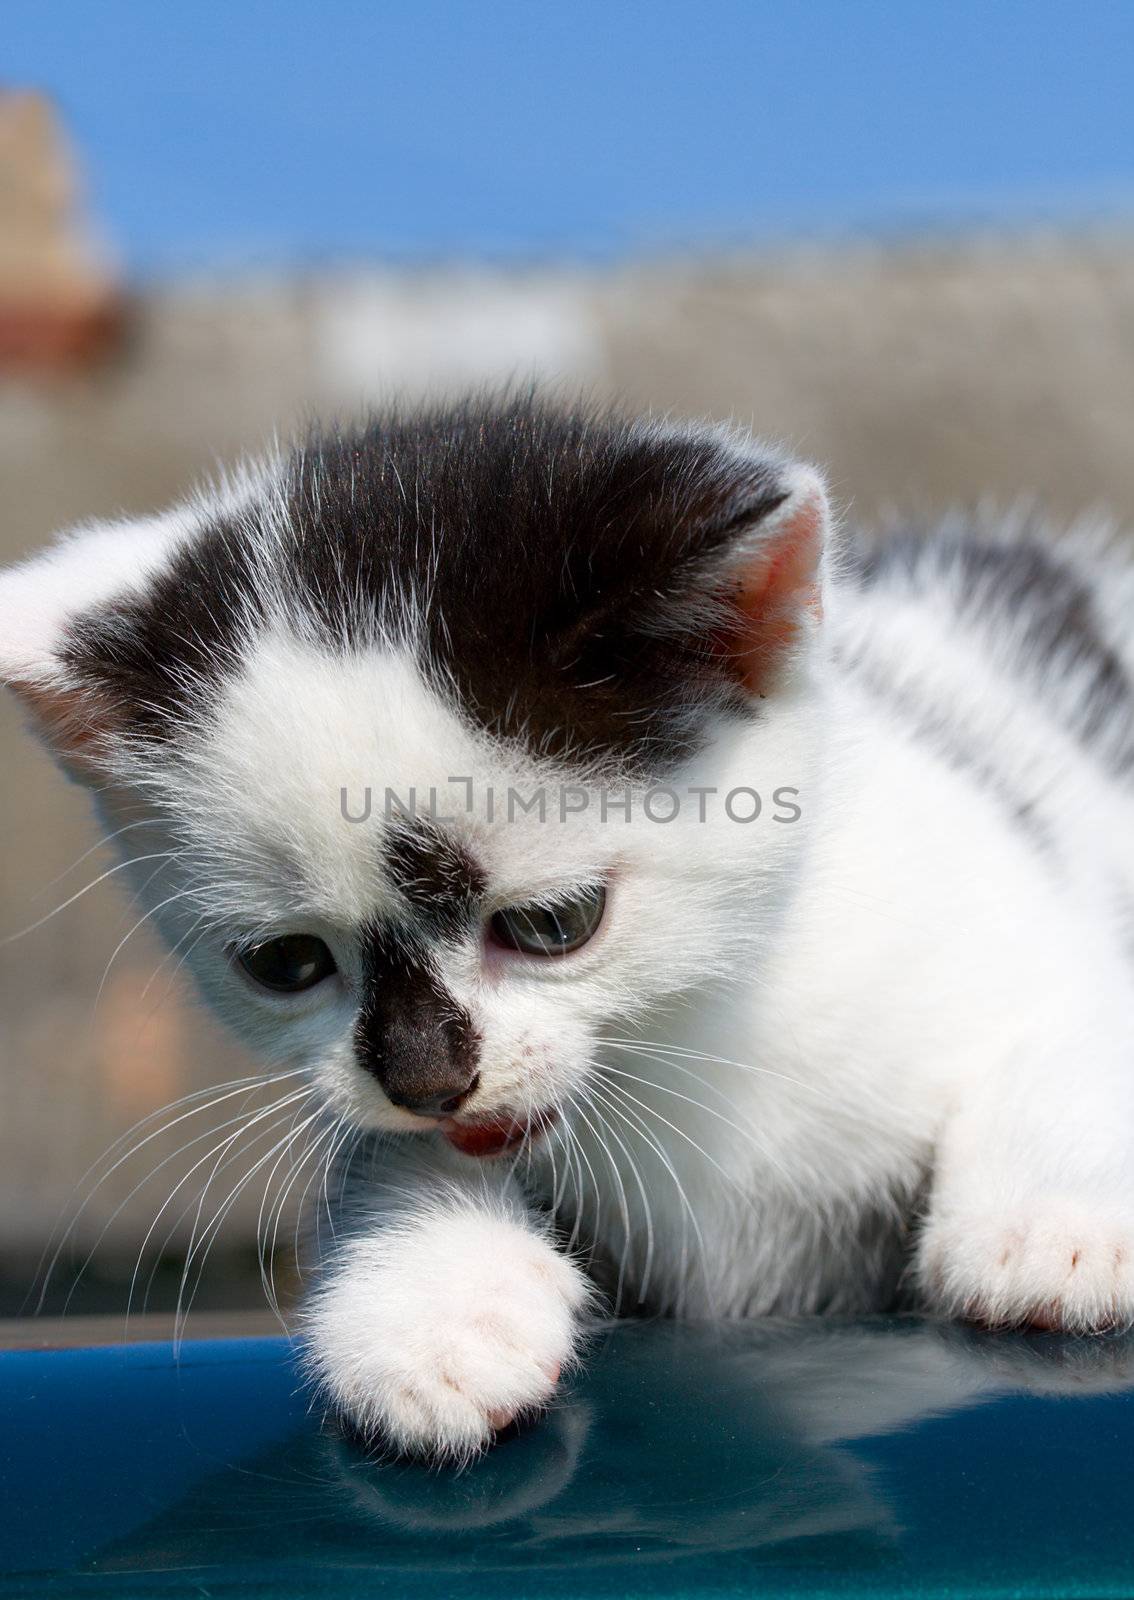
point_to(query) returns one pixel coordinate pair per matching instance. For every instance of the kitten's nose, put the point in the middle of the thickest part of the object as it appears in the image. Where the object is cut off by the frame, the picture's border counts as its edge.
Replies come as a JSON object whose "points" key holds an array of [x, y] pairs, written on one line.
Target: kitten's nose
{"points": [[416, 1040], [443, 1104]]}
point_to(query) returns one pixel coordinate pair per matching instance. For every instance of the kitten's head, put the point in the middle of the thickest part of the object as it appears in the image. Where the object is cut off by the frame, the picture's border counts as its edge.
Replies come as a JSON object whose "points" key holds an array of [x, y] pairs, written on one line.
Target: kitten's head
{"points": [[387, 711]]}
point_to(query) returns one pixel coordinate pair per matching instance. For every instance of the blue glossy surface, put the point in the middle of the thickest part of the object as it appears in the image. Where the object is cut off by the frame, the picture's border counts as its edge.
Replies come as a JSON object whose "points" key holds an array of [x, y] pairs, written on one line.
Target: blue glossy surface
{"points": [[881, 1458]]}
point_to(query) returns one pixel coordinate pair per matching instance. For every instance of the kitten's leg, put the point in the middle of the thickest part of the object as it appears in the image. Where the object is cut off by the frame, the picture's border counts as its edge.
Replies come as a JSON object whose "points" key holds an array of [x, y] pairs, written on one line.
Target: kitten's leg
{"points": [[445, 1311], [1031, 1219]]}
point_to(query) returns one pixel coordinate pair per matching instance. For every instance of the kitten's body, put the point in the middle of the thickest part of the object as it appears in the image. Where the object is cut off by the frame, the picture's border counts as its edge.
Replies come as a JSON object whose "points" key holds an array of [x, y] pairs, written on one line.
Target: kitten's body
{"points": [[968, 880], [900, 999]]}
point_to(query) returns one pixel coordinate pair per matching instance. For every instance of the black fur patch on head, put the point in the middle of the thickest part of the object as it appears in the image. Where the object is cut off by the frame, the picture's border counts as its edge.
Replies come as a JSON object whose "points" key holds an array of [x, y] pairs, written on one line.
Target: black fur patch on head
{"points": [[435, 874], [410, 1033], [558, 572]]}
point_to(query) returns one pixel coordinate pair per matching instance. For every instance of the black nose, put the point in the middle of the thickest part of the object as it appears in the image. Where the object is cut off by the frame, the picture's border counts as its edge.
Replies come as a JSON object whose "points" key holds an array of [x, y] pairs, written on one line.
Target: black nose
{"points": [[441, 1104], [415, 1038]]}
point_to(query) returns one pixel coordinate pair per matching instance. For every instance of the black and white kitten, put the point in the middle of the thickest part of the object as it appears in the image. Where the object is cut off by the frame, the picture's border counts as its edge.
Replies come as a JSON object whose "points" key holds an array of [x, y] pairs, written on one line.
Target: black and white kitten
{"points": [[725, 903]]}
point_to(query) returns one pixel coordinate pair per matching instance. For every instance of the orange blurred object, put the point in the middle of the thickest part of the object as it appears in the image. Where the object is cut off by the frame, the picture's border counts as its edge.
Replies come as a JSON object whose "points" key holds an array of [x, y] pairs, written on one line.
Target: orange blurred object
{"points": [[60, 306]]}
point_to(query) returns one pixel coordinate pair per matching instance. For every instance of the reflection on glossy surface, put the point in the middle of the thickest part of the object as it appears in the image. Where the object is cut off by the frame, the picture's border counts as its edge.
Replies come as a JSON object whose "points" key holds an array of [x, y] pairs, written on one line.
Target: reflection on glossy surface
{"points": [[889, 1457]]}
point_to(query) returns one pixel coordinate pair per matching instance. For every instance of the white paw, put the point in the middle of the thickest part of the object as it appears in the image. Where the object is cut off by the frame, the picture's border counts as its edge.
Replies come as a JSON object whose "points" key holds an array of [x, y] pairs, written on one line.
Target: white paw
{"points": [[438, 1331], [1052, 1263]]}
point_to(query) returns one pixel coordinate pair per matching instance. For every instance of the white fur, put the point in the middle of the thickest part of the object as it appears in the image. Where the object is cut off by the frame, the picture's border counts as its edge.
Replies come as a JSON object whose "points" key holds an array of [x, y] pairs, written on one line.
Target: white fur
{"points": [[780, 1034], [439, 1324]]}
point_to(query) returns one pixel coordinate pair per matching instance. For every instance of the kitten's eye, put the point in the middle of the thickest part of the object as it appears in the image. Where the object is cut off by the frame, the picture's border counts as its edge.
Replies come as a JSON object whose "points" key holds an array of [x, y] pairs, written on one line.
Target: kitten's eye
{"points": [[553, 930], [287, 965]]}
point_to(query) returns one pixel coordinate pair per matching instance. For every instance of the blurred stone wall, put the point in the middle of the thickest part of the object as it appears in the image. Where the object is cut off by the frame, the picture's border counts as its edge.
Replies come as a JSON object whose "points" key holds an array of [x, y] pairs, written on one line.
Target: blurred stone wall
{"points": [[919, 377]]}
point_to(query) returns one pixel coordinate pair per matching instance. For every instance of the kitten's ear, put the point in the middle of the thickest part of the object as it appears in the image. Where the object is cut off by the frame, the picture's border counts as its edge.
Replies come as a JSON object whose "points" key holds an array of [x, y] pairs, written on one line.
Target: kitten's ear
{"points": [[774, 594], [41, 600], [758, 548]]}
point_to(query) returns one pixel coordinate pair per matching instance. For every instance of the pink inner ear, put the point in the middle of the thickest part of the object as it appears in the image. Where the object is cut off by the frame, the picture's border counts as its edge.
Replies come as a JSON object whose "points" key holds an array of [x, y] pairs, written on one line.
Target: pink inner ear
{"points": [[777, 591], [75, 723]]}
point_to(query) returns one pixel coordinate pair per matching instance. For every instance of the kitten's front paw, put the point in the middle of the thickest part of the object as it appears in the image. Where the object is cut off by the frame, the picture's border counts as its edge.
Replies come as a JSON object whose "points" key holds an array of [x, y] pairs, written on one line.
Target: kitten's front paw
{"points": [[436, 1333], [1053, 1263]]}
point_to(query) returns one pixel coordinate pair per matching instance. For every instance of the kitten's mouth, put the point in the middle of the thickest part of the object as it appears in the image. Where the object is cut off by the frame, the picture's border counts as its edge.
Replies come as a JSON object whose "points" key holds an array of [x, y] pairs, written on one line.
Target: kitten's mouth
{"points": [[496, 1136]]}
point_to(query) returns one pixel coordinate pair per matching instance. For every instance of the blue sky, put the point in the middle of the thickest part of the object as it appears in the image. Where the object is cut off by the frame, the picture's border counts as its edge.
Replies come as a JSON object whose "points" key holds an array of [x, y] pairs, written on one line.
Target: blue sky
{"points": [[255, 134]]}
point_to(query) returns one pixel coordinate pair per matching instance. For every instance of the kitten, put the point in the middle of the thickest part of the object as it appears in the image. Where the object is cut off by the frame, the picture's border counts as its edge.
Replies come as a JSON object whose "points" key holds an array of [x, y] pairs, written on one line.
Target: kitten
{"points": [[669, 898]]}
